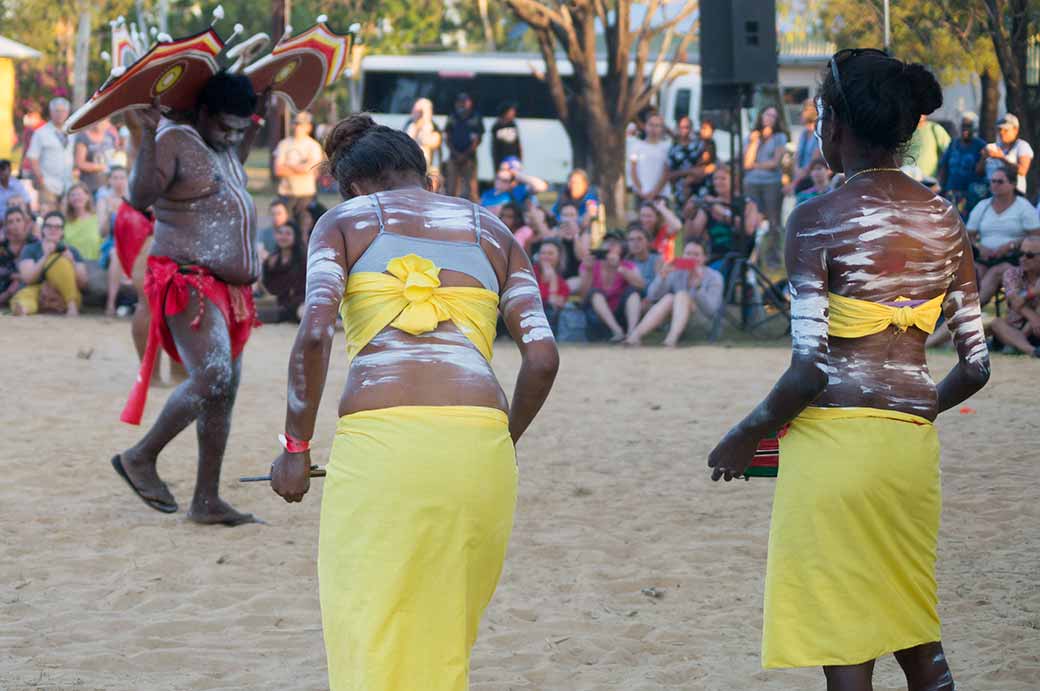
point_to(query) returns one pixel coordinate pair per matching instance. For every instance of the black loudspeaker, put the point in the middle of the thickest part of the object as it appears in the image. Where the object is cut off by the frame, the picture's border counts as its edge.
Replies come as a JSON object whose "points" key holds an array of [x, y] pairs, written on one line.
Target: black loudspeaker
{"points": [[738, 42]]}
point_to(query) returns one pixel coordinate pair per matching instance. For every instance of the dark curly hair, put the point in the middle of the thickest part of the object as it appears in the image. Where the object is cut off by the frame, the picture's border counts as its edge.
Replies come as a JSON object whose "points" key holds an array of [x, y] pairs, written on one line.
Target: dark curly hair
{"points": [[359, 149], [228, 93], [881, 98]]}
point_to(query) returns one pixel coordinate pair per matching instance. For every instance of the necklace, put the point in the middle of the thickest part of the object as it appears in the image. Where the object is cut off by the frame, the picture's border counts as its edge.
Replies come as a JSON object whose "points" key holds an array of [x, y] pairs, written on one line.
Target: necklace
{"points": [[871, 170]]}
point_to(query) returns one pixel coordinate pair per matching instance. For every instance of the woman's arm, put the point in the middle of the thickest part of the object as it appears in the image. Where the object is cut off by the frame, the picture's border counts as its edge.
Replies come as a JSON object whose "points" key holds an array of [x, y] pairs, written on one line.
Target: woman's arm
{"points": [[754, 139], [671, 221], [964, 318], [586, 273], [524, 316], [806, 376], [708, 295], [81, 160], [309, 358]]}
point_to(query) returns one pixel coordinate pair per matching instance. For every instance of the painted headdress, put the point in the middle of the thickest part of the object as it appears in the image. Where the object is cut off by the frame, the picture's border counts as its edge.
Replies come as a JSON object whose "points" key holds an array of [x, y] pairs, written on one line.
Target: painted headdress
{"points": [[174, 71]]}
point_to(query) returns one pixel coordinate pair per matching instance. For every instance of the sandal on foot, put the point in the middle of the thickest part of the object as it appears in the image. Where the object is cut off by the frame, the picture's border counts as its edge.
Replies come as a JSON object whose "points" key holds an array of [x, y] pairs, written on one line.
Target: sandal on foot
{"points": [[157, 504]]}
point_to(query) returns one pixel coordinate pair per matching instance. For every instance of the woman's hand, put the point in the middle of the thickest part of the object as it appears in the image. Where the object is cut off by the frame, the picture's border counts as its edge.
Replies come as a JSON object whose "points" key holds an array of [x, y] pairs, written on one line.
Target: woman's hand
{"points": [[732, 456], [291, 475]]}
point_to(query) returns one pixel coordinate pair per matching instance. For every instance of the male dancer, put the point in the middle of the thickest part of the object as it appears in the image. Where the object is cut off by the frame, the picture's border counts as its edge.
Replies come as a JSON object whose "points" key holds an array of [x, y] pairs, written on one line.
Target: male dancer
{"points": [[203, 261]]}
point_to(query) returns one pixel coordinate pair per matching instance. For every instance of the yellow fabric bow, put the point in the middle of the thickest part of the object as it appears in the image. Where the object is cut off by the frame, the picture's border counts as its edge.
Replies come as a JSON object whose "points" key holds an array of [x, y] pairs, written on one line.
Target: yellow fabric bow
{"points": [[410, 297], [853, 318]]}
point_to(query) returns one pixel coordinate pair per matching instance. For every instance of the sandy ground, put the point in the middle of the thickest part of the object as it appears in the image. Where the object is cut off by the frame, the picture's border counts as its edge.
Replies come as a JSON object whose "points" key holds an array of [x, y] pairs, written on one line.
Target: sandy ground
{"points": [[99, 592]]}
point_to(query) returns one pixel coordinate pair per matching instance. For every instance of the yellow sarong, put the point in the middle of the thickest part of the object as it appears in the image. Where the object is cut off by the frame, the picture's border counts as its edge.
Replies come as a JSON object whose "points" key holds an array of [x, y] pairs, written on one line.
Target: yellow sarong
{"points": [[415, 518], [851, 565]]}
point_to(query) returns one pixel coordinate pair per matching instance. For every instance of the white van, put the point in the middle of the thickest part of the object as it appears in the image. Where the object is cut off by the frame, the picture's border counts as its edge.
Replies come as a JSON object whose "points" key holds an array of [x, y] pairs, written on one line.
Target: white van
{"points": [[392, 83]]}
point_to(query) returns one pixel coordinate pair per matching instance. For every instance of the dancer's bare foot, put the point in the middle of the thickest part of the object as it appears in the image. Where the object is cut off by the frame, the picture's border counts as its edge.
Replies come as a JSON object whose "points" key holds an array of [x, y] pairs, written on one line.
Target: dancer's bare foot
{"points": [[216, 511]]}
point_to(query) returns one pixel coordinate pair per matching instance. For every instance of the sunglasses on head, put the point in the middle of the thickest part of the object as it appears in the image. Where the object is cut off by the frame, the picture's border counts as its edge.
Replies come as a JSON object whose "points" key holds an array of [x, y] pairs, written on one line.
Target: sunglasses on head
{"points": [[843, 55]]}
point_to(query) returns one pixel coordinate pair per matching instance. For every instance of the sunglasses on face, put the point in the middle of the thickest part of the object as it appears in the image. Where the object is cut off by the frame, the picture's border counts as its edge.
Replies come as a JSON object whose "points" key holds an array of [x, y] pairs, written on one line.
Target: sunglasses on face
{"points": [[1030, 255], [841, 56], [54, 226], [998, 181]]}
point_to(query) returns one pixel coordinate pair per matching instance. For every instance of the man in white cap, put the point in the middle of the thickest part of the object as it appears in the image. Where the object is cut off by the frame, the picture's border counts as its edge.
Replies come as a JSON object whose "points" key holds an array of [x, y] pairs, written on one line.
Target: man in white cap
{"points": [[1007, 149], [296, 160]]}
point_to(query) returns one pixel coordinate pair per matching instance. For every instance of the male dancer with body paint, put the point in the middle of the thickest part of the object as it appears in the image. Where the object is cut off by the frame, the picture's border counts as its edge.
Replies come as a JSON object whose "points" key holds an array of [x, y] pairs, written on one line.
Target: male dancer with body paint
{"points": [[202, 265]]}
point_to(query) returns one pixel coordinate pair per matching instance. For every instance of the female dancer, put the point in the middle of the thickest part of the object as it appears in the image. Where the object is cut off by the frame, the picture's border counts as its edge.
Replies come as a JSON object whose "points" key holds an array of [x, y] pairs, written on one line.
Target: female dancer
{"points": [[851, 567], [421, 483]]}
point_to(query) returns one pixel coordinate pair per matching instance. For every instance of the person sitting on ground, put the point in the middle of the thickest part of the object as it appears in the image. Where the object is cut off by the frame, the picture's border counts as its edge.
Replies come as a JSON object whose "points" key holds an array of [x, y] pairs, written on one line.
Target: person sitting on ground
{"points": [[610, 287], [1020, 327], [16, 237], [574, 243], [662, 226], [582, 195], [265, 242], [998, 225], [537, 219], [53, 273], [501, 192], [684, 288], [639, 253], [512, 183], [820, 175], [284, 273], [512, 215], [82, 233], [9, 187], [554, 289], [710, 219]]}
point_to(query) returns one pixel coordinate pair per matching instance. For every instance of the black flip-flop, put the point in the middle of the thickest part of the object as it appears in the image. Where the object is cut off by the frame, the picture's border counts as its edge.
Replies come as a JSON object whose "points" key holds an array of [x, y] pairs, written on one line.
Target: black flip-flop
{"points": [[157, 504]]}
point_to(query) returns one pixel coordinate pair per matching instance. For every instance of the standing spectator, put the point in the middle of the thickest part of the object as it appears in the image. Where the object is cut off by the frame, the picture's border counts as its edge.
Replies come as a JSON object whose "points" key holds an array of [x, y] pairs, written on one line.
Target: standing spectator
{"points": [[998, 225], [551, 284], [9, 187], [16, 237], [610, 286], [296, 161], [926, 149], [50, 157], [93, 149], [682, 289], [649, 162], [31, 121], [505, 136], [820, 177], [683, 157], [1020, 329], [464, 130], [115, 193], [53, 273], [265, 242], [1007, 149], [662, 226], [424, 132], [580, 194], [707, 160], [709, 219], [808, 151], [284, 273], [512, 216], [764, 182], [958, 176]]}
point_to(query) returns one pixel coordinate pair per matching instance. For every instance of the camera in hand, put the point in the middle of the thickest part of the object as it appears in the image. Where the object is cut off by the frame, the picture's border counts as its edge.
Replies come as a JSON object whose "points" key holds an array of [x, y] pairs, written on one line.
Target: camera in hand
{"points": [[60, 247]]}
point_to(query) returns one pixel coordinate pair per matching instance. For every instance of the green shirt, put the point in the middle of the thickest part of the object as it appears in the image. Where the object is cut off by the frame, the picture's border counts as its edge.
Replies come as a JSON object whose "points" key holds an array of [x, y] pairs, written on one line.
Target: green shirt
{"points": [[84, 236], [926, 148]]}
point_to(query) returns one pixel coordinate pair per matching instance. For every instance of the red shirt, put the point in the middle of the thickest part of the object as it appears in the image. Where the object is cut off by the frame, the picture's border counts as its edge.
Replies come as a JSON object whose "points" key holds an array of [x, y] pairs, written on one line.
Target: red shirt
{"points": [[562, 288]]}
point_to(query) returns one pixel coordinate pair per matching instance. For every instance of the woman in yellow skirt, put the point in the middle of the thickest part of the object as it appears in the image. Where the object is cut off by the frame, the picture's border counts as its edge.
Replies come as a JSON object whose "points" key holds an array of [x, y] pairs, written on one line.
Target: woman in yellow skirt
{"points": [[418, 499], [851, 566]]}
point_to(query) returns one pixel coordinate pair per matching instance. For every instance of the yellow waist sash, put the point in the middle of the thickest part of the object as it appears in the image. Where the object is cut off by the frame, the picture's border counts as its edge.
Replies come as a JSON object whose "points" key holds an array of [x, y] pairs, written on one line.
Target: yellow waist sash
{"points": [[410, 298], [853, 318]]}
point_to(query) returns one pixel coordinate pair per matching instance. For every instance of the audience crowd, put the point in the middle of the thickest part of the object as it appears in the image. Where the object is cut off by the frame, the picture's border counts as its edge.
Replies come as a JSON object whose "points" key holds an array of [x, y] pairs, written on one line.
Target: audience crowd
{"points": [[689, 221]]}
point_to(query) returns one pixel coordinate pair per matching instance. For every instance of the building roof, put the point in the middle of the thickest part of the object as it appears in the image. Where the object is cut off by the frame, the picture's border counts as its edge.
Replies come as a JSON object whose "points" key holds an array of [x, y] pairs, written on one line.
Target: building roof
{"points": [[14, 49]]}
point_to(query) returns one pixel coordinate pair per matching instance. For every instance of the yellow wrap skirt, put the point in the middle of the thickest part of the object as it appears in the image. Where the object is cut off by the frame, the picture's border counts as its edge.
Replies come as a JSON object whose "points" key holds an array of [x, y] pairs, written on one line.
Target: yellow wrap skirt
{"points": [[416, 514], [851, 566]]}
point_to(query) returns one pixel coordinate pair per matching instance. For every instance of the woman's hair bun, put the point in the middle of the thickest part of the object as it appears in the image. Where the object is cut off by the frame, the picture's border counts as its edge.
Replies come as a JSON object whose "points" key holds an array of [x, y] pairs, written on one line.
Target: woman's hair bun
{"points": [[346, 134], [927, 92]]}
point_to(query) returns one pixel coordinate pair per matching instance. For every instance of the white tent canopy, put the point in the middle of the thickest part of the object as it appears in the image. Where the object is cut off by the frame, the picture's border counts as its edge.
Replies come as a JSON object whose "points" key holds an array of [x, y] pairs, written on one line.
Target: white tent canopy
{"points": [[13, 49]]}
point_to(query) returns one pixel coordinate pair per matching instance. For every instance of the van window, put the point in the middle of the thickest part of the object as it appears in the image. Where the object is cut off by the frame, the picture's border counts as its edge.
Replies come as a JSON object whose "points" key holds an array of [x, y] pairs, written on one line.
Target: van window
{"points": [[682, 104], [396, 92]]}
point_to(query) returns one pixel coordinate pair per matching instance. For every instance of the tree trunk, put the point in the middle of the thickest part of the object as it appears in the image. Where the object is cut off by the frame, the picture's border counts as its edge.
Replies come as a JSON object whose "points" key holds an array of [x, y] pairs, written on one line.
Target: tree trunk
{"points": [[988, 107], [82, 59], [489, 32], [608, 174]]}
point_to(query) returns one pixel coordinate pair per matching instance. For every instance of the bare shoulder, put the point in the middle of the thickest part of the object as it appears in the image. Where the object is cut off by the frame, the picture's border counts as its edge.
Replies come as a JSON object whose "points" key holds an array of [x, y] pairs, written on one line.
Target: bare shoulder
{"points": [[494, 230], [355, 214], [808, 218]]}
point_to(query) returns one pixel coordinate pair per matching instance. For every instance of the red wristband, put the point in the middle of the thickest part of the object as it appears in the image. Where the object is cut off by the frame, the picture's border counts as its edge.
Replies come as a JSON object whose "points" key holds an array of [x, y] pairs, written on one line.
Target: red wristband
{"points": [[258, 120], [294, 445]]}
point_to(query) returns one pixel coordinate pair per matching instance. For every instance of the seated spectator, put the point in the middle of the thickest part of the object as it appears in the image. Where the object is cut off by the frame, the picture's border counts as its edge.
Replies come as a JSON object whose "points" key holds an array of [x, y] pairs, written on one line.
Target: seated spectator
{"points": [[9, 186], [553, 287], [265, 242], [640, 254], [709, 219], [537, 219], [958, 178], [574, 243], [511, 185], [512, 216], [998, 225], [52, 272], [662, 226], [820, 175], [610, 287], [307, 219], [81, 223], [1020, 328], [284, 273], [16, 237], [684, 288], [579, 193]]}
